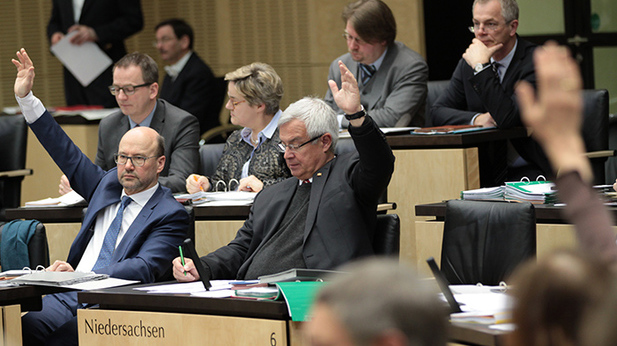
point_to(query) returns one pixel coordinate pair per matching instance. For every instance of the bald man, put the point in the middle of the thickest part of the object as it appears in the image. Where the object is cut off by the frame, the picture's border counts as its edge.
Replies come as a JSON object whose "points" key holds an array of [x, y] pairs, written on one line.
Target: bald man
{"points": [[133, 225]]}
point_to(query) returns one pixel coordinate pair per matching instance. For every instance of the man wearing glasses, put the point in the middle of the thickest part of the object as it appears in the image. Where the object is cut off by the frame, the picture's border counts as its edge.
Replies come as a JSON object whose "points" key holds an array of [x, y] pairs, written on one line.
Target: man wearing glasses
{"points": [[481, 90], [135, 88], [132, 227], [323, 216], [392, 78]]}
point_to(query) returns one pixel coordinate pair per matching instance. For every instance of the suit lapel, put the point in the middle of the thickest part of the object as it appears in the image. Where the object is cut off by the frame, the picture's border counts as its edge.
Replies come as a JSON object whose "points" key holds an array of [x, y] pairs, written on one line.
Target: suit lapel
{"points": [[319, 182], [158, 119], [85, 9]]}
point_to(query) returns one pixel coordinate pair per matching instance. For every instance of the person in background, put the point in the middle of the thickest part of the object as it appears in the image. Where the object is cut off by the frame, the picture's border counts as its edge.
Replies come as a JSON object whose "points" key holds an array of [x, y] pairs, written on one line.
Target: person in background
{"points": [[132, 227], [105, 22], [392, 78], [377, 302], [251, 155], [481, 91], [189, 83], [135, 88], [325, 215]]}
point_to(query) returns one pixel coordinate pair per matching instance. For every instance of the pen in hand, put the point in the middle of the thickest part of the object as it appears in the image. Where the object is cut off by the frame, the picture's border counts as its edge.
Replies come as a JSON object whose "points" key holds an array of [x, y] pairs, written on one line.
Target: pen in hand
{"points": [[197, 180], [182, 257]]}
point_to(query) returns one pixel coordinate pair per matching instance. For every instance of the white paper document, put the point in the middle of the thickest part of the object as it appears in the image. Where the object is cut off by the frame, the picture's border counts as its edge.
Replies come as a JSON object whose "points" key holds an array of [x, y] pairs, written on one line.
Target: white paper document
{"points": [[71, 198], [86, 61]]}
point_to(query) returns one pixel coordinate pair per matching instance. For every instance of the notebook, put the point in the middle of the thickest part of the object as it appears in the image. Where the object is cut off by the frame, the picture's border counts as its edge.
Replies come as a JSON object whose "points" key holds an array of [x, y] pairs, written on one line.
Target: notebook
{"points": [[443, 285], [189, 250]]}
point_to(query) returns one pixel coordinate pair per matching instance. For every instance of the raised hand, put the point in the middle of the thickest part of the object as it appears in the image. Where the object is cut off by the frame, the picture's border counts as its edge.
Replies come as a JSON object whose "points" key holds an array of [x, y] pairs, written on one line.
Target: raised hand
{"points": [[348, 97], [25, 73]]}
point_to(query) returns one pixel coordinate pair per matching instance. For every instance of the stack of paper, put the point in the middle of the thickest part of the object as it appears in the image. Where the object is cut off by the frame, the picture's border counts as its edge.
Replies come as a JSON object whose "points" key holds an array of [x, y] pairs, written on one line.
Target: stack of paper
{"points": [[69, 199], [537, 192], [218, 198], [484, 194]]}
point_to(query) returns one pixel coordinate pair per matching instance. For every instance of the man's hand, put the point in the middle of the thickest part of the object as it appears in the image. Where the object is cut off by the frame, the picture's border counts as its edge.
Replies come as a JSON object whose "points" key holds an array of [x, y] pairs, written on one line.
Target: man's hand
{"points": [[348, 97], [478, 53], [25, 73], [196, 183], [485, 120], [60, 266], [555, 116], [56, 37], [84, 34], [185, 273], [251, 184], [64, 187]]}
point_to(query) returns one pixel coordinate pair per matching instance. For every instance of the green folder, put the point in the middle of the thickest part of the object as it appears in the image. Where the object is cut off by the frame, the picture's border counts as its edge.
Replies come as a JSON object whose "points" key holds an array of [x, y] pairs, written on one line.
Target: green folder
{"points": [[299, 297]]}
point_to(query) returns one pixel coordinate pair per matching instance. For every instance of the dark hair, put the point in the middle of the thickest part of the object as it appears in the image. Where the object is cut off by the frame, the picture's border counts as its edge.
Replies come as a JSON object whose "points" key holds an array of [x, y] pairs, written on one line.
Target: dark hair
{"points": [[149, 69], [180, 27], [372, 20]]}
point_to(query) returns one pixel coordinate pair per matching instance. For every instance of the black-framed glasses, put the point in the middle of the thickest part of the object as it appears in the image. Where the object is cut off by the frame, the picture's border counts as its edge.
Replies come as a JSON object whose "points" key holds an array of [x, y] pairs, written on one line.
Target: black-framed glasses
{"points": [[128, 90], [293, 147], [137, 161]]}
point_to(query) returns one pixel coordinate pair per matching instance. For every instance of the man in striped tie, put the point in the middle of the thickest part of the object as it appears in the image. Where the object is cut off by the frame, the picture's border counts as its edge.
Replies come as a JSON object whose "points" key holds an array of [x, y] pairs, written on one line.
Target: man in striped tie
{"points": [[132, 227], [391, 77]]}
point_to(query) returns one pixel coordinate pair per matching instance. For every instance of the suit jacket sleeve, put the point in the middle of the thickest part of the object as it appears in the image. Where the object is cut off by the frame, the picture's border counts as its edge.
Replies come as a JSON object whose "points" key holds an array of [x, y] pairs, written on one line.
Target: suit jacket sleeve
{"points": [[128, 22], [184, 157], [451, 107]]}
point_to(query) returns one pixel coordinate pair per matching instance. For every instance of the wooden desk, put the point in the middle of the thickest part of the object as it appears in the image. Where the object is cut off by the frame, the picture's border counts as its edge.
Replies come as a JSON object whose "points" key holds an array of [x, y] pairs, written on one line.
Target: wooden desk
{"points": [[182, 319], [552, 231], [432, 168], [214, 226]]}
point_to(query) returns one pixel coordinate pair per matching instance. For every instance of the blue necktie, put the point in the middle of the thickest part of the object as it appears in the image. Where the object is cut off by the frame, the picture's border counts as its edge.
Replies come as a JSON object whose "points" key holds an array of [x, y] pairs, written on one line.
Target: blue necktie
{"points": [[109, 243], [367, 72]]}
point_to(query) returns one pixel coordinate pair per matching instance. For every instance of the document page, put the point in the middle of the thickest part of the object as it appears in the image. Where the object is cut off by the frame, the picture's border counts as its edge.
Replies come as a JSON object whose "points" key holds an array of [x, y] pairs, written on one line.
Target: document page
{"points": [[86, 61]]}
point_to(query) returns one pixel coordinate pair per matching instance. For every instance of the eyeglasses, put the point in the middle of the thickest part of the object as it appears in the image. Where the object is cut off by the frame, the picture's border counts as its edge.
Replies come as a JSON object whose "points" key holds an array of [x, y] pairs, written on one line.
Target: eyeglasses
{"points": [[235, 103], [293, 147], [358, 40], [128, 90], [491, 26], [137, 161], [163, 40]]}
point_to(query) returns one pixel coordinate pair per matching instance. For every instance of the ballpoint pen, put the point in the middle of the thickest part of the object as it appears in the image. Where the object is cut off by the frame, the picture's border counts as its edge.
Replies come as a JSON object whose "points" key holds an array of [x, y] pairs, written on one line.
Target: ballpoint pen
{"points": [[182, 257]]}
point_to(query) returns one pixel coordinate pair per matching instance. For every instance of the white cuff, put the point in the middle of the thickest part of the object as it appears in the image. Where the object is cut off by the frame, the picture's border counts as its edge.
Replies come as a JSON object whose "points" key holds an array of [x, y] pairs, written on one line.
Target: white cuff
{"points": [[31, 107]]}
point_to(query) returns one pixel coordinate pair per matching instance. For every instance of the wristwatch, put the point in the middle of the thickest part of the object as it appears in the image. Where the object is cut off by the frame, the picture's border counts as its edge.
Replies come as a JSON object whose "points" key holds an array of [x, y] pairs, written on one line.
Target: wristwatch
{"points": [[357, 115], [480, 66]]}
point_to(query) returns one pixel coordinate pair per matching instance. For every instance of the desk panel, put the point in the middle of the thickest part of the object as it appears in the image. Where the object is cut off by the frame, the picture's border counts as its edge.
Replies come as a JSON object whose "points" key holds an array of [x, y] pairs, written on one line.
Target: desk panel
{"points": [[107, 327]]}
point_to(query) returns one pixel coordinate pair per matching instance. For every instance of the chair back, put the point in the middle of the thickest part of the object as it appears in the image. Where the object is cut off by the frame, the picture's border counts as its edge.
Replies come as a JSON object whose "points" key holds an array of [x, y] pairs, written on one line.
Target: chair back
{"points": [[344, 145], [387, 235], [210, 154], [484, 241], [595, 128], [435, 89], [13, 138], [38, 248]]}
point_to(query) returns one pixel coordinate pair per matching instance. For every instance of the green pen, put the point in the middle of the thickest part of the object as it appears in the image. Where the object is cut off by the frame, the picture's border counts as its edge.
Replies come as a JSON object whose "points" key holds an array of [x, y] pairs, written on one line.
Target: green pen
{"points": [[182, 257]]}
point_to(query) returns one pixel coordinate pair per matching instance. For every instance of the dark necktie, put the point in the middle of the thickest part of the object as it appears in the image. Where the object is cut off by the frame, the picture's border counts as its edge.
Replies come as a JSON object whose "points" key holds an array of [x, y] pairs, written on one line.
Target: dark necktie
{"points": [[495, 65], [109, 243], [367, 72]]}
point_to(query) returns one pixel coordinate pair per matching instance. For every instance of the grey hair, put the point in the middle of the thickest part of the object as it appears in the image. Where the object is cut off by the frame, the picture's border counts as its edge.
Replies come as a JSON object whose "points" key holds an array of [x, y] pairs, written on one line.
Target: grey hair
{"points": [[509, 8], [317, 116], [379, 295]]}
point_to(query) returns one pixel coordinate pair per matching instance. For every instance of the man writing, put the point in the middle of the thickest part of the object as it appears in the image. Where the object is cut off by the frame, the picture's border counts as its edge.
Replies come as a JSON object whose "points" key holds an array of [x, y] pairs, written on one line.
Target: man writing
{"points": [[481, 90], [391, 77], [132, 227], [135, 88], [189, 83], [325, 214]]}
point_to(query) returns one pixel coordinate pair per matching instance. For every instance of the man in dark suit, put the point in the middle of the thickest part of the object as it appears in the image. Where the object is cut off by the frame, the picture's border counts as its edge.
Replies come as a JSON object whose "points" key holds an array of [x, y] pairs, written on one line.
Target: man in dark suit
{"points": [[323, 216], [189, 83], [136, 88], [392, 78], [105, 22], [133, 226], [481, 91]]}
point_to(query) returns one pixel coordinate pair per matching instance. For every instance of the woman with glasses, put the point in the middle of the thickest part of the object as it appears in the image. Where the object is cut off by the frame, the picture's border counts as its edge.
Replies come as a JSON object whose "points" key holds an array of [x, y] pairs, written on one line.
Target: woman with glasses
{"points": [[251, 155]]}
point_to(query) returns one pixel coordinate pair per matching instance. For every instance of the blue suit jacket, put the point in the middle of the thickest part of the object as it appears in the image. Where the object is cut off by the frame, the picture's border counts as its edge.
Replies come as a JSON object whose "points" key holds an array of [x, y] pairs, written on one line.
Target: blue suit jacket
{"points": [[151, 242]]}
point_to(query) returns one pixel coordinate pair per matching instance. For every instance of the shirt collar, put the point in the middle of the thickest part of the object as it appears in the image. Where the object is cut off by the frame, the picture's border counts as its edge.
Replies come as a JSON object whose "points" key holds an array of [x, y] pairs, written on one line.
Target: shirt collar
{"points": [[174, 70], [267, 131], [379, 61], [505, 62], [146, 122], [300, 182], [141, 198]]}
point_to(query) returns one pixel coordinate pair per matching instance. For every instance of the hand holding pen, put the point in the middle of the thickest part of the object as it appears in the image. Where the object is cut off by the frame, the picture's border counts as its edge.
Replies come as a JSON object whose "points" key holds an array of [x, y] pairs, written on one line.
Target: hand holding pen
{"points": [[196, 183]]}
